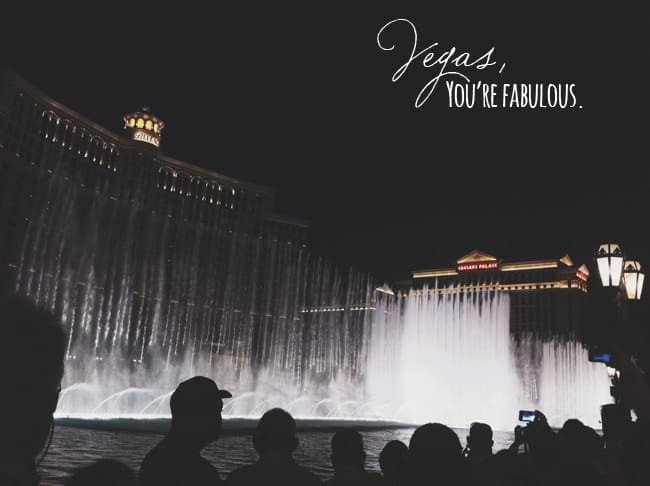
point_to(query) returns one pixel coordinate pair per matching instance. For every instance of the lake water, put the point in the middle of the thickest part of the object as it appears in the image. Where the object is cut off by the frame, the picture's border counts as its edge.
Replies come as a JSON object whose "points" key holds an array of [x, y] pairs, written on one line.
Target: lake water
{"points": [[74, 447]]}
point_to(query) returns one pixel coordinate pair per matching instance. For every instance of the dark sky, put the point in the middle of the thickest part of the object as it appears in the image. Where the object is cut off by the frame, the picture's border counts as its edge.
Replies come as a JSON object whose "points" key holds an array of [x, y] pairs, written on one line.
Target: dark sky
{"points": [[301, 99]]}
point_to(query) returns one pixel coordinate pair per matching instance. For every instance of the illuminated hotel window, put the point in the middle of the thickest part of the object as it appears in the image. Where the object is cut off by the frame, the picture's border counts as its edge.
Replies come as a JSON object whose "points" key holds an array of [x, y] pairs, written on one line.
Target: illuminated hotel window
{"points": [[148, 125], [140, 123], [132, 122]]}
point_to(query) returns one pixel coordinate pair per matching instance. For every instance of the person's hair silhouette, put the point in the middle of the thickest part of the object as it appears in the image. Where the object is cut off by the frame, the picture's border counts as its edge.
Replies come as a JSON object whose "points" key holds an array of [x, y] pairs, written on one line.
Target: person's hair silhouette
{"points": [[276, 431], [196, 407], [275, 441], [479, 440], [435, 455], [32, 348], [349, 458], [393, 461], [347, 449], [105, 472]]}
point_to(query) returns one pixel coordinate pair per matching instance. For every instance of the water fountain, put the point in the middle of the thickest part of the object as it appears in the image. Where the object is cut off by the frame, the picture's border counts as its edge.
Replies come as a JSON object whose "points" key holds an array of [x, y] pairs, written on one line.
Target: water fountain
{"points": [[148, 303], [451, 357]]}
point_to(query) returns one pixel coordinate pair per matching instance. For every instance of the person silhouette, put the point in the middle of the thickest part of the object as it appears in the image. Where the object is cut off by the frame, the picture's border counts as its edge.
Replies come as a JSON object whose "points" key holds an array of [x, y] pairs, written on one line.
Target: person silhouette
{"points": [[617, 425], [580, 447], [479, 444], [32, 349], [348, 458], [436, 456], [616, 422], [105, 472], [275, 441], [393, 462], [196, 407]]}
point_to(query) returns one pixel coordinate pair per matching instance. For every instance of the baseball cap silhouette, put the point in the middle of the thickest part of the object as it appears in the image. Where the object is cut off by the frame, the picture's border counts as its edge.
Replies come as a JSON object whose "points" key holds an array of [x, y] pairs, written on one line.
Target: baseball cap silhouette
{"points": [[198, 394]]}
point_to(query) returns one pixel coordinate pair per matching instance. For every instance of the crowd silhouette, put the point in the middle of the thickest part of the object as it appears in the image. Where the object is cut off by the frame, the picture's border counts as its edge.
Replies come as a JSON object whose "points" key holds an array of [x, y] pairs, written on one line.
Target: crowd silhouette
{"points": [[32, 349]]}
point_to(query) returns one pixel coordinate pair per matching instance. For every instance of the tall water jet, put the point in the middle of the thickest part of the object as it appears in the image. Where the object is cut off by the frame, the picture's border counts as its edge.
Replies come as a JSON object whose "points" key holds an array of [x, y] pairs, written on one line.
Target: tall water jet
{"points": [[451, 357], [161, 270]]}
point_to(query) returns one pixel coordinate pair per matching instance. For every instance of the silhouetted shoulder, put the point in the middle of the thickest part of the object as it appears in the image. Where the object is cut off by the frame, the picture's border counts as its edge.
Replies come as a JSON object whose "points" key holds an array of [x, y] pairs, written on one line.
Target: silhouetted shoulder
{"points": [[256, 475], [104, 472], [243, 475], [361, 478], [308, 477], [165, 465], [376, 479]]}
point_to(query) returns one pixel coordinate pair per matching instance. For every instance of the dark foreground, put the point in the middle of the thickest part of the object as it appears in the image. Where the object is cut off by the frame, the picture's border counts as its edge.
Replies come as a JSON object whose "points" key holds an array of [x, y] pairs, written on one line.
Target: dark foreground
{"points": [[74, 447]]}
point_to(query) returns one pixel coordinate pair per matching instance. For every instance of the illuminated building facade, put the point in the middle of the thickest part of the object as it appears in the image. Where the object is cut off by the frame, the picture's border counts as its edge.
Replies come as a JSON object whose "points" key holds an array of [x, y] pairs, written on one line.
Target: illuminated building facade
{"points": [[40, 138], [131, 245], [546, 296]]}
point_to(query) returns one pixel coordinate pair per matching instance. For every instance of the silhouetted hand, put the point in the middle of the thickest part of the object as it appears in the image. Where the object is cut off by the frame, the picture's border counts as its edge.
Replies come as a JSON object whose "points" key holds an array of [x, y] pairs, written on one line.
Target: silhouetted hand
{"points": [[519, 434], [519, 439], [540, 418]]}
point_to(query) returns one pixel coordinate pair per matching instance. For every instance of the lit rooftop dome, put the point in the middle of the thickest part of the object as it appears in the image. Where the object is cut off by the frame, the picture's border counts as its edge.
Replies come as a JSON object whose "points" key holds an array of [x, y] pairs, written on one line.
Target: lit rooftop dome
{"points": [[144, 127]]}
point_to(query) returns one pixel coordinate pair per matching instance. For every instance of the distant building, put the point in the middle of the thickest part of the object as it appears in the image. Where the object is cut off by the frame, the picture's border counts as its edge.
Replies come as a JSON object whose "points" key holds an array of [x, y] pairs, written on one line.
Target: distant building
{"points": [[132, 246], [40, 138], [547, 296]]}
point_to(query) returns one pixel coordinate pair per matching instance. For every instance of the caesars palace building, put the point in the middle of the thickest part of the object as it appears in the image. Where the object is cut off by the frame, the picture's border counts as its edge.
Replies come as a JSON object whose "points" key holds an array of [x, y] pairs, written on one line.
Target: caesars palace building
{"points": [[546, 296]]}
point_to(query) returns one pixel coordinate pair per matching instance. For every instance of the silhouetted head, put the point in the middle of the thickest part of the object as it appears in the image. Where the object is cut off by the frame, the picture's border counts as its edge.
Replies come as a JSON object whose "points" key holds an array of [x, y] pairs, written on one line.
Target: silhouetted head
{"points": [[32, 347], [616, 421], [393, 460], [276, 431], [347, 449], [196, 406], [578, 440], [541, 439], [479, 440], [104, 472], [435, 449], [571, 432], [572, 427]]}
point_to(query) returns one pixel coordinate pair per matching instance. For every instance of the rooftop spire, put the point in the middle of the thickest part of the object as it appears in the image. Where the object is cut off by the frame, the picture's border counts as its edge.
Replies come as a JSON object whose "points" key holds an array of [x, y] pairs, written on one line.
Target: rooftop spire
{"points": [[144, 127]]}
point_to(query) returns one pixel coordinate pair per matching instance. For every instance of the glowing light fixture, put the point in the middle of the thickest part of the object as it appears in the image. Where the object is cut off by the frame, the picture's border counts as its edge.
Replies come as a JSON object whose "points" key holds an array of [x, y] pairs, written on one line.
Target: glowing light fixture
{"points": [[609, 258], [633, 279]]}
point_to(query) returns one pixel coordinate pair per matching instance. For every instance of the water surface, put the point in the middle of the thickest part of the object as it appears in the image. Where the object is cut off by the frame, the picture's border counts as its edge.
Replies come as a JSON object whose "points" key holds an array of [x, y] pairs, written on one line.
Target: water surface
{"points": [[73, 447]]}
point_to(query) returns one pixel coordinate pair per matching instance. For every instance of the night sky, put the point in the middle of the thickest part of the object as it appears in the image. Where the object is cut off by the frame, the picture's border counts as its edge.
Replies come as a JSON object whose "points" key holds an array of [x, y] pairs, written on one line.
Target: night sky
{"points": [[300, 99]]}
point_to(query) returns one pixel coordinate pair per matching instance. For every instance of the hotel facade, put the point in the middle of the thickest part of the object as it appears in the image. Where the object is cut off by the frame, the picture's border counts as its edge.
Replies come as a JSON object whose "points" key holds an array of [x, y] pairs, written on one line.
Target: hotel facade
{"points": [[140, 252], [41, 138], [547, 297]]}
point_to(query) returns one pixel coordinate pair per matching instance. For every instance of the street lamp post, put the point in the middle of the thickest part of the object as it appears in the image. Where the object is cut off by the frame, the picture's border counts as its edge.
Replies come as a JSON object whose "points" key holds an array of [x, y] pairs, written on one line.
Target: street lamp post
{"points": [[609, 259], [633, 279], [625, 279]]}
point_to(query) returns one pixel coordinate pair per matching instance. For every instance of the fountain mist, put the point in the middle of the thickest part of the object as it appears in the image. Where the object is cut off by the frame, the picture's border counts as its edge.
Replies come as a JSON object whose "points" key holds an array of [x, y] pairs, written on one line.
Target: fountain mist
{"points": [[148, 303]]}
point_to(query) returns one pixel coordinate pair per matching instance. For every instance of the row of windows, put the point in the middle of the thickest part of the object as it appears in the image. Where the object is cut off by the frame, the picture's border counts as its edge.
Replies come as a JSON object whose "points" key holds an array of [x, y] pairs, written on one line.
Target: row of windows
{"points": [[63, 132], [73, 144], [196, 187]]}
